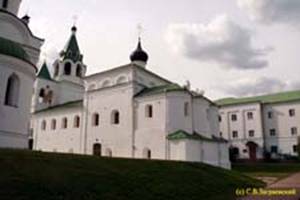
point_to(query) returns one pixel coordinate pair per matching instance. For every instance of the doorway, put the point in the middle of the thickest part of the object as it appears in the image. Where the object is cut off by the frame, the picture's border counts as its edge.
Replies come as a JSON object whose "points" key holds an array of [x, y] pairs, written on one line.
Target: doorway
{"points": [[252, 146], [97, 149]]}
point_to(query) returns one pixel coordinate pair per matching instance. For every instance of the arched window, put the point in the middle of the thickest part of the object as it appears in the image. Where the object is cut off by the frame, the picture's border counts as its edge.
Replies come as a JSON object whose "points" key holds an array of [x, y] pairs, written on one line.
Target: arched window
{"points": [[79, 71], [149, 111], [76, 122], [92, 86], [147, 153], [67, 69], [108, 152], [95, 119], [42, 93], [12, 91], [64, 124], [106, 83], [115, 117], [121, 79], [53, 124], [44, 124], [56, 70], [5, 4]]}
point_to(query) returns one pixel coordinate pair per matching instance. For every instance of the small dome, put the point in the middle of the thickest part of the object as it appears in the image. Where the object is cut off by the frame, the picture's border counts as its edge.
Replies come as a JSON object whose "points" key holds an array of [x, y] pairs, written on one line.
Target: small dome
{"points": [[74, 29], [139, 54]]}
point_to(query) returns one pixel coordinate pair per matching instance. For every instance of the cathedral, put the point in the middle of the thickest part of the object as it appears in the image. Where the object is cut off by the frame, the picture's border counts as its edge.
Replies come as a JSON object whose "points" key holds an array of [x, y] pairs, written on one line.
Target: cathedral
{"points": [[19, 53], [127, 111]]}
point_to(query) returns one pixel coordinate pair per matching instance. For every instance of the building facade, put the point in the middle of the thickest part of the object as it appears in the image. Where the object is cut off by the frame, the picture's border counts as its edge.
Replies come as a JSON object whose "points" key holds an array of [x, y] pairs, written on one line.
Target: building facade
{"points": [[19, 53], [261, 126], [127, 111]]}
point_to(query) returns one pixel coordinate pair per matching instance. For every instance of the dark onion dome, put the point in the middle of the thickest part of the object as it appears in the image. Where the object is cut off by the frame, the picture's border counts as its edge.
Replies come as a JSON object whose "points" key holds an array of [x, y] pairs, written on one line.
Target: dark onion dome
{"points": [[10, 48], [139, 54], [74, 29]]}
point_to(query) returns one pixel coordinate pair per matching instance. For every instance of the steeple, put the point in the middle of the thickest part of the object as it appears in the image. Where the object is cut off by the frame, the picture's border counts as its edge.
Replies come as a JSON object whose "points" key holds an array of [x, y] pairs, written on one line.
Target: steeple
{"points": [[44, 72], [139, 56], [71, 50]]}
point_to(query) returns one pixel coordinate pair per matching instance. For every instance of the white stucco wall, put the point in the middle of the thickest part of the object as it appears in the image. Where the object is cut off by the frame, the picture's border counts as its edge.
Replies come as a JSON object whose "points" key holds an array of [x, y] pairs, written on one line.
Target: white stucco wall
{"points": [[59, 140], [14, 123]]}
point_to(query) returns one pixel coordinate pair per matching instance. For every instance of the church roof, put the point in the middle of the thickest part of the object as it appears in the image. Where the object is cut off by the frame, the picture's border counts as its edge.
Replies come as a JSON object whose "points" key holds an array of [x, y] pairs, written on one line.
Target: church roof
{"points": [[44, 72], [71, 104], [265, 99], [13, 49], [181, 134], [71, 50], [160, 89]]}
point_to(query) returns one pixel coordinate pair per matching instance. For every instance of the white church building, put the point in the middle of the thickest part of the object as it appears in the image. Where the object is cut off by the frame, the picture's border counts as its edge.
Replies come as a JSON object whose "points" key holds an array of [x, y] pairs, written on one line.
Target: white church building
{"points": [[19, 53], [127, 111]]}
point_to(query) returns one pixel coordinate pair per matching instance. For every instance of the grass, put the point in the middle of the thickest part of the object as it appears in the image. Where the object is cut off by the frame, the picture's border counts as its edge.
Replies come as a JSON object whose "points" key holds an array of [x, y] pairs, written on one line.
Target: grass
{"points": [[267, 167], [276, 170], [35, 175]]}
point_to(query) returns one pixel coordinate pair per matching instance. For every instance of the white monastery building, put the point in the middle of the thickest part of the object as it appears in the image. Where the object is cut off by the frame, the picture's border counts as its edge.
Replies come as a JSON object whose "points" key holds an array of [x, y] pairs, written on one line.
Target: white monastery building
{"points": [[261, 126], [19, 52], [127, 111]]}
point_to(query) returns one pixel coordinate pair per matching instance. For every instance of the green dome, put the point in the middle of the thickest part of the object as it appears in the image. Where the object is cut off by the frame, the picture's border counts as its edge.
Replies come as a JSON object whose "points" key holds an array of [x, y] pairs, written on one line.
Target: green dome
{"points": [[10, 48]]}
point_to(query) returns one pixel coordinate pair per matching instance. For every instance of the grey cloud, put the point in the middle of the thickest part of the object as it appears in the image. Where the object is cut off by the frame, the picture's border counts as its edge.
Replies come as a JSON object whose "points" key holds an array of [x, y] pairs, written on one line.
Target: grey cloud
{"points": [[273, 11], [262, 85], [221, 41]]}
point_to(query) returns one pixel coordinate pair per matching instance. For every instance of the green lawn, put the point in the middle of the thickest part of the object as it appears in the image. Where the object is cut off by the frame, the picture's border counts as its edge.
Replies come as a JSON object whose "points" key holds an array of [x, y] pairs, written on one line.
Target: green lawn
{"points": [[275, 170], [267, 167], [33, 175]]}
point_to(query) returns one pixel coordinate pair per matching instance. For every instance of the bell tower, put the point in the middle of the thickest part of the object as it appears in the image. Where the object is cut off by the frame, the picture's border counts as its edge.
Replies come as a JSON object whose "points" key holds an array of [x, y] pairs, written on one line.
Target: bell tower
{"points": [[11, 6], [69, 67]]}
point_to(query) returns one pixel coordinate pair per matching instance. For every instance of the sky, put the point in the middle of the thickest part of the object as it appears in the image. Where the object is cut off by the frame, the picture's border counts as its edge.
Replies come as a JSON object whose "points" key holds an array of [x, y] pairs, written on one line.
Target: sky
{"points": [[226, 48]]}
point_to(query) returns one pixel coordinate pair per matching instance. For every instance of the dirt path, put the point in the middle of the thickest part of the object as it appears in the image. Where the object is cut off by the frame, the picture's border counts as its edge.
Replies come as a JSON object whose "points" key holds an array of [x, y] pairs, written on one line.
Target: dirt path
{"points": [[291, 182]]}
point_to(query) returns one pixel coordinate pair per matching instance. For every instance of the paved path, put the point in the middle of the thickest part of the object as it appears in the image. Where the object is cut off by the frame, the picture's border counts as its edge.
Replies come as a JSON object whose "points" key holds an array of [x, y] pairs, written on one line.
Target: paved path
{"points": [[292, 181]]}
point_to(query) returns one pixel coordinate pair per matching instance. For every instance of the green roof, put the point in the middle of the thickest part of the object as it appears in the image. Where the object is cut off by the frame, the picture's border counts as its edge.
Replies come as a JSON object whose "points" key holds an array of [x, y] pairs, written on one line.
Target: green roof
{"points": [[265, 99], [180, 135], [71, 50], [10, 48], [44, 72], [160, 89], [71, 104]]}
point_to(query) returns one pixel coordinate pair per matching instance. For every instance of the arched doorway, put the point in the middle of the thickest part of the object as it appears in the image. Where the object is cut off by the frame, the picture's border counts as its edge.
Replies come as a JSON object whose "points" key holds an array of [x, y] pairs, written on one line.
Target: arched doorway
{"points": [[97, 149], [252, 146]]}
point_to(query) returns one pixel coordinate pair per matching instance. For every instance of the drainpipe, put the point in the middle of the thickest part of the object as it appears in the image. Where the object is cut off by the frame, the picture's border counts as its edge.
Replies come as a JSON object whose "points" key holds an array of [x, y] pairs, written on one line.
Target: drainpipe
{"points": [[85, 110]]}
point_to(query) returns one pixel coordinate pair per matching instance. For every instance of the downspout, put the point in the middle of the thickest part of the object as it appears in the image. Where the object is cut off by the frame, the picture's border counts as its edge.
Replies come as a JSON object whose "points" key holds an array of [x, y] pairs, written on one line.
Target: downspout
{"points": [[167, 143], [85, 110]]}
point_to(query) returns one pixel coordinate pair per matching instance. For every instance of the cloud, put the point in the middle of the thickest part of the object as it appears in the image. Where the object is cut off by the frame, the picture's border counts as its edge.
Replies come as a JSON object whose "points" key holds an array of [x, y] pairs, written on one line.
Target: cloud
{"points": [[272, 11], [257, 86], [221, 41]]}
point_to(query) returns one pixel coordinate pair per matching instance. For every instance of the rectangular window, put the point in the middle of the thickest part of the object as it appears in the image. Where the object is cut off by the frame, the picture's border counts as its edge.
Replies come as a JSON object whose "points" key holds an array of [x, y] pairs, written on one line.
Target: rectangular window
{"points": [[292, 112], [250, 115], [272, 132], [251, 133], [220, 118], [274, 149], [5, 3], [235, 134], [221, 134], [270, 115], [233, 117], [294, 131], [186, 109], [295, 148], [149, 111]]}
